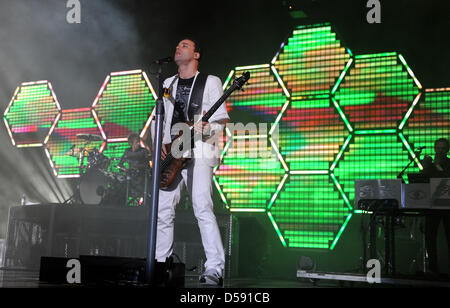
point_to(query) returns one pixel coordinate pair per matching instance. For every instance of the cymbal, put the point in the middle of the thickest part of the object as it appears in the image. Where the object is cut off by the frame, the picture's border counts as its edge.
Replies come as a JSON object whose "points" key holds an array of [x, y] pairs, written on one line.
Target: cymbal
{"points": [[75, 152], [89, 137]]}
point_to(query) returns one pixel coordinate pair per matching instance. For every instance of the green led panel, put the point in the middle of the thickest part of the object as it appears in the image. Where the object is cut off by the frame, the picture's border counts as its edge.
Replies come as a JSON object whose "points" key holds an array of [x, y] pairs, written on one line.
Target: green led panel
{"points": [[262, 98], [64, 162], [311, 61], [124, 104], [247, 182], [31, 113], [429, 121], [377, 91], [380, 156], [309, 211], [330, 117], [311, 134]]}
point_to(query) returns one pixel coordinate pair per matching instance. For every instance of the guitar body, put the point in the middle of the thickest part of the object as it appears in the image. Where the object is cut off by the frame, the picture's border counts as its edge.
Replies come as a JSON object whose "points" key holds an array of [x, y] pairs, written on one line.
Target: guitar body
{"points": [[169, 175], [170, 167]]}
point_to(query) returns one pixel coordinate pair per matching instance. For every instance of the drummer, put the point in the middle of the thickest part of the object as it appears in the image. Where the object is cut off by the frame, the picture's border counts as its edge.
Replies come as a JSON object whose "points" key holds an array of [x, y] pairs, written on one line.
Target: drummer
{"points": [[136, 156]]}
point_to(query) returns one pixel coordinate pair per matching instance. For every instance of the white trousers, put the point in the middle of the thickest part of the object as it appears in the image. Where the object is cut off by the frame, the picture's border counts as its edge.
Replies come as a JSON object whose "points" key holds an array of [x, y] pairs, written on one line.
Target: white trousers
{"points": [[197, 177]]}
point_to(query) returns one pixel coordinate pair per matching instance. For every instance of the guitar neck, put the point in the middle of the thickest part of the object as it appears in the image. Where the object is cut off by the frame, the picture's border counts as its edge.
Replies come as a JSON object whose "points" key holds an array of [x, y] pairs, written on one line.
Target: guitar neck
{"points": [[219, 102]]}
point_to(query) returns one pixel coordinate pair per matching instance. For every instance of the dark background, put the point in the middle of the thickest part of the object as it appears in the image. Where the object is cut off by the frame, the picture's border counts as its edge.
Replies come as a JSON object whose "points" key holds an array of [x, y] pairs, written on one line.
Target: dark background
{"points": [[37, 43]]}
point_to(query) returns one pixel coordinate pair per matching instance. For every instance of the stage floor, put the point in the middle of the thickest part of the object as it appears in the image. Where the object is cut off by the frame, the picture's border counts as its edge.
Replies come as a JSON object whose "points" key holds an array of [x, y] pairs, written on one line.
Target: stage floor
{"points": [[13, 278], [16, 278]]}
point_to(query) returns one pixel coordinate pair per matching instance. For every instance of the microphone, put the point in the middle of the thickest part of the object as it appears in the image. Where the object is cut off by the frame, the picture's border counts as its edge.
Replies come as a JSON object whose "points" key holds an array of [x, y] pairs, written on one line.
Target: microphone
{"points": [[163, 60], [418, 151]]}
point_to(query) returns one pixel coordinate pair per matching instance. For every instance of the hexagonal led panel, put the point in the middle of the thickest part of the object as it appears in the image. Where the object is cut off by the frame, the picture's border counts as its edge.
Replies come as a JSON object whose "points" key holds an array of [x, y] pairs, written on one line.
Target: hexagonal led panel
{"points": [[429, 121], [124, 105], [64, 143], [31, 114], [377, 91], [309, 211], [245, 181], [262, 98], [310, 134], [377, 156], [311, 60]]}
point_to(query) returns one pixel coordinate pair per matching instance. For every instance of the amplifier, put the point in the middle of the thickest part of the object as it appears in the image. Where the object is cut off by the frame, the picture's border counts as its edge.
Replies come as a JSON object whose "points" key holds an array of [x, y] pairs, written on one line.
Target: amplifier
{"points": [[54, 270]]}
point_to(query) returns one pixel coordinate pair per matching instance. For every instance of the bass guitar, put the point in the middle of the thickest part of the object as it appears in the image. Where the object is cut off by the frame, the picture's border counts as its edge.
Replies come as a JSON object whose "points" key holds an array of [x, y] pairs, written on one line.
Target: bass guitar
{"points": [[171, 165]]}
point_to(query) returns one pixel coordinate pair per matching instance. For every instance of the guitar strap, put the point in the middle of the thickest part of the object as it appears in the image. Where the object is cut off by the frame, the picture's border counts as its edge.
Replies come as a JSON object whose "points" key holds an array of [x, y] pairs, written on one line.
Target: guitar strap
{"points": [[195, 103]]}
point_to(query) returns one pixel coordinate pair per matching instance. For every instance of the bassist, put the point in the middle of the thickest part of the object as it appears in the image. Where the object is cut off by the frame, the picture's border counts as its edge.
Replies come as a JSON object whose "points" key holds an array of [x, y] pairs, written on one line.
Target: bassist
{"points": [[189, 94]]}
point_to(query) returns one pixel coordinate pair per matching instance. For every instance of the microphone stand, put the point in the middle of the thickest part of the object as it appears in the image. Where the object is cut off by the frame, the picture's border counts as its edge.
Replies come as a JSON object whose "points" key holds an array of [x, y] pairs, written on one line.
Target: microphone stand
{"points": [[400, 175], [154, 185]]}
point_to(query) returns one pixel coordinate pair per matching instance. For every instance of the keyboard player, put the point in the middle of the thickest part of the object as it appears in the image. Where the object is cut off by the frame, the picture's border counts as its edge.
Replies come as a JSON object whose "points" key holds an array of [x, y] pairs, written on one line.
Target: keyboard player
{"points": [[437, 168]]}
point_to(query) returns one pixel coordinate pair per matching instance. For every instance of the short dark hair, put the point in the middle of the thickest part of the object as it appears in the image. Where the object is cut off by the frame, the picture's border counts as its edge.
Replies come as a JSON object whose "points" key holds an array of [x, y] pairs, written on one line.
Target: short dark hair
{"points": [[197, 47], [445, 140], [133, 136]]}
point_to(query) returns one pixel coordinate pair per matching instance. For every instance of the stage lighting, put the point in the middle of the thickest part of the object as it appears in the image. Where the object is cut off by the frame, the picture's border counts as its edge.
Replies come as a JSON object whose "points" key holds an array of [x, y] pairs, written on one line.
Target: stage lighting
{"points": [[306, 264]]}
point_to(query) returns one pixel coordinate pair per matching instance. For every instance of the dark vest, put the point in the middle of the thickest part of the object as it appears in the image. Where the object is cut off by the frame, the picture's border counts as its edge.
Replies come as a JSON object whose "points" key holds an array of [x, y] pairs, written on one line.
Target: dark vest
{"points": [[195, 102]]}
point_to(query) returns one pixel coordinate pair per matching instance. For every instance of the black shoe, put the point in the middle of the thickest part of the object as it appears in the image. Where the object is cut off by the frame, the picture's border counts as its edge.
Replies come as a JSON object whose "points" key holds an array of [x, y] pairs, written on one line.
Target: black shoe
{"points": [[211, 278]]}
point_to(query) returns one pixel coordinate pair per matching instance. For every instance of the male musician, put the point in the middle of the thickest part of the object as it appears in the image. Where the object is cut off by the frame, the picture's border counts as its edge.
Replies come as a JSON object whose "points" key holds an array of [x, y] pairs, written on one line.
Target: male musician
{"points": [[135, 155], [183, 101], [137, 158], [439, 168]]}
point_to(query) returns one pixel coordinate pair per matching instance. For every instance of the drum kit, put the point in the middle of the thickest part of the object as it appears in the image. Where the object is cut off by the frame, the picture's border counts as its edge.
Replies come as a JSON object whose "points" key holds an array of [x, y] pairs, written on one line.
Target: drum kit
{"points": [[102, 184]]}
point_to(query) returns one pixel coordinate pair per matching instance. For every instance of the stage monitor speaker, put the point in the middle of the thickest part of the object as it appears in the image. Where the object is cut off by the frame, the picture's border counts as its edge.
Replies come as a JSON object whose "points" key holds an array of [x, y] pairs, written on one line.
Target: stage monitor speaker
{"points": [[53, 270], [112, 271]]}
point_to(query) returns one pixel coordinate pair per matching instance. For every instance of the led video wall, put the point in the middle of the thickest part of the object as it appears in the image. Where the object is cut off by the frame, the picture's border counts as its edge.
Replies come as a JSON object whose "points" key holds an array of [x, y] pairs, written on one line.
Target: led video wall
{"points": [[309, 211], [247, 179], [31, 113], [74, 137], [261, 99], [344, 117], [304, 202], [124, 104], [310, 61], [377, 91], [315, 118], [430, 120]]}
